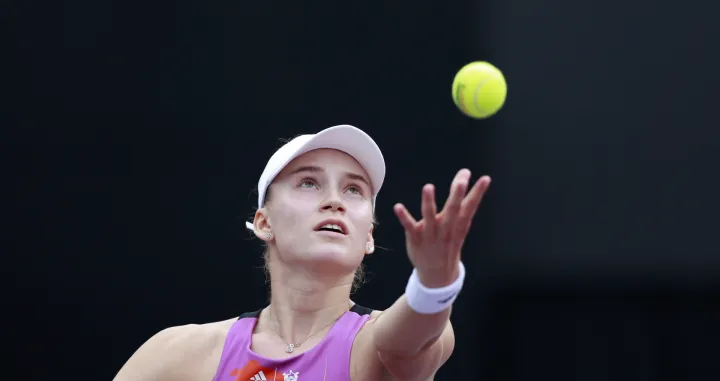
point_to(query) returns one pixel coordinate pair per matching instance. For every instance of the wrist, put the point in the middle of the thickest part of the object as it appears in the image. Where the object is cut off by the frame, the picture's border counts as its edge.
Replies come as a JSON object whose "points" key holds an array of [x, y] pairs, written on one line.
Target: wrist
{"points": [[426, 300], [436, 278]]}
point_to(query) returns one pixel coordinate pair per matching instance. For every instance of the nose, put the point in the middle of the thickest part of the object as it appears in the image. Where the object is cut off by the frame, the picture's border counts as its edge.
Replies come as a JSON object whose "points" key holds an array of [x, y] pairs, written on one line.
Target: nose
{"points": [[333, 203]]}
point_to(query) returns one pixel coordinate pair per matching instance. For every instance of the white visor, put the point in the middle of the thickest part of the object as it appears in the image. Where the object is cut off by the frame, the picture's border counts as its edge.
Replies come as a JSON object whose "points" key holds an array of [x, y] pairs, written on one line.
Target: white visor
{"points": [[345, 138]]}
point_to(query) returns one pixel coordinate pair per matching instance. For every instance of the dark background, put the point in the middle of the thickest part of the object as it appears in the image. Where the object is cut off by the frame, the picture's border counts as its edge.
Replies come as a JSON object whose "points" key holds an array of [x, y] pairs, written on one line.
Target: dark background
{"points": [[137, 133]]}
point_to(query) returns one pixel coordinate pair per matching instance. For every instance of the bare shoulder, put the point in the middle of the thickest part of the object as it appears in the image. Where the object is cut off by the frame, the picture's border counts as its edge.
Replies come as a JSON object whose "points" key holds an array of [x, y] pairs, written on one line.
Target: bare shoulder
{"points": [[187, 352]]}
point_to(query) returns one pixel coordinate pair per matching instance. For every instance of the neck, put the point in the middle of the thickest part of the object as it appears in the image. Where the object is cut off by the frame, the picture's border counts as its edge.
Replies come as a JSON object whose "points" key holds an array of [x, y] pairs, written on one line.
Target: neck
{"points": [[302, 303]]}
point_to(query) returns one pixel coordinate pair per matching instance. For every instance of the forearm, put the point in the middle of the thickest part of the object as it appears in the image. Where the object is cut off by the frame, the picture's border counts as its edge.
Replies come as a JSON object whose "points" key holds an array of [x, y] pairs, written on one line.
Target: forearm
{"points": [[401, 331]]}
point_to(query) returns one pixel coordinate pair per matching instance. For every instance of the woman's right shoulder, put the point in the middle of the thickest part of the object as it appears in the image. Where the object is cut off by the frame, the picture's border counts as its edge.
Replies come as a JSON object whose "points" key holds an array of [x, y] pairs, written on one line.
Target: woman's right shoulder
{"points": [[186, 352]]}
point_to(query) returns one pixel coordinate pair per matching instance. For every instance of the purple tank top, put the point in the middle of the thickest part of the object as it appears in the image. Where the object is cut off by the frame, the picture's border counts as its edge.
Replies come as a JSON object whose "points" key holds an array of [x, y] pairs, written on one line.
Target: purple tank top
{"points": [[328, 360]]}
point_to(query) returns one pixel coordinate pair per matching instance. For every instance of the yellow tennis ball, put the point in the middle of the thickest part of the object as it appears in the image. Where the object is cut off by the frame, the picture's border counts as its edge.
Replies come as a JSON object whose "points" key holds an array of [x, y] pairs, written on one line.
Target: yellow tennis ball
{"points": [[479, 90]]}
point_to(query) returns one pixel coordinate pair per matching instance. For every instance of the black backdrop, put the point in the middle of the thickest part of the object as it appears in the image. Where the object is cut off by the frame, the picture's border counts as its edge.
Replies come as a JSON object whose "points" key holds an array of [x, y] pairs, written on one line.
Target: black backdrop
{"points": [[138, 132]]}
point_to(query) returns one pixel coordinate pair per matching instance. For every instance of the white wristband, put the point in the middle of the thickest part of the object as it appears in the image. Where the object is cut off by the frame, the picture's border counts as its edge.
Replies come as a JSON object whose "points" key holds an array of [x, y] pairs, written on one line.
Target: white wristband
{"points": [[425, 300]]}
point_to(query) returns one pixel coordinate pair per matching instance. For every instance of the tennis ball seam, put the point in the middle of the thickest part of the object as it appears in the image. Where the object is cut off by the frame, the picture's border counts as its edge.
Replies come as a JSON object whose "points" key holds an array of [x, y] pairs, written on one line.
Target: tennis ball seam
{"points": [[477, 92], [459, 97]]}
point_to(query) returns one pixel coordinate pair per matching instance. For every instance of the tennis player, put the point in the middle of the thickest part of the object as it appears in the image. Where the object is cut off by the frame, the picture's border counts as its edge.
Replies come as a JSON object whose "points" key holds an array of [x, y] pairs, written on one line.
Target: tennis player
{"points": [[316, 201]]}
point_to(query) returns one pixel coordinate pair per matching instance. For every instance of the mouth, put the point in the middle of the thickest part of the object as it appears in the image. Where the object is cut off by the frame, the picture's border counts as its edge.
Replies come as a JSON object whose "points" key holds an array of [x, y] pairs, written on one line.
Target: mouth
{"points": [[334, 226]]}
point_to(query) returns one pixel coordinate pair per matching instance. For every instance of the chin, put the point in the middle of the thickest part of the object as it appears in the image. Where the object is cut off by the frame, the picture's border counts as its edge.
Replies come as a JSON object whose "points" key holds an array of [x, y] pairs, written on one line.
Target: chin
{"points": [[333, 256]]}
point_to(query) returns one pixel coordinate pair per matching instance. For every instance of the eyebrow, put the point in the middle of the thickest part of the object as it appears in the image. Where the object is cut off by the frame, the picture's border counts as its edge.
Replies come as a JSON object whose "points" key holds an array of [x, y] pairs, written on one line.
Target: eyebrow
{"points": [[315, 169]]}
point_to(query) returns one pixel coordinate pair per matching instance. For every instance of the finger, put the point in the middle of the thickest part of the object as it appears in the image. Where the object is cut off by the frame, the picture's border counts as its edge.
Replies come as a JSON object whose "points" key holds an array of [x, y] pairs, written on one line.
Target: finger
{"points": [[454, 202], [429, 209], [406, 219], [471, 203]]}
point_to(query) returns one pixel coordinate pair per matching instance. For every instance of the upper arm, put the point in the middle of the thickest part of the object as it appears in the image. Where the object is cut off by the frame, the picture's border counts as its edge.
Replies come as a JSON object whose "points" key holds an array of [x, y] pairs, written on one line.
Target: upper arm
{"points": [[425, 363], [170, 355]]}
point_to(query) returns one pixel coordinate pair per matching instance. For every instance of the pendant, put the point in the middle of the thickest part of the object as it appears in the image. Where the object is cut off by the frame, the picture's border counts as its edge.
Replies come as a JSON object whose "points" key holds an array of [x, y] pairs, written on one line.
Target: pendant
{"points": [[290, 348]]}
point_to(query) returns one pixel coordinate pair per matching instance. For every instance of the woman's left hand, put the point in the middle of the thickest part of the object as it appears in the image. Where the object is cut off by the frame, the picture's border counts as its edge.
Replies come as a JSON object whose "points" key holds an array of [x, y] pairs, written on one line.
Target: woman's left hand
{"points": [[434, 243]]}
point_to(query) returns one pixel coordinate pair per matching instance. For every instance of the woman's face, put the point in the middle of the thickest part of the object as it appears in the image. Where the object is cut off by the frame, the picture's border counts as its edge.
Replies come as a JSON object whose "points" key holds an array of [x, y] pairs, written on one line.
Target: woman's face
{"points": [[315, 194]]}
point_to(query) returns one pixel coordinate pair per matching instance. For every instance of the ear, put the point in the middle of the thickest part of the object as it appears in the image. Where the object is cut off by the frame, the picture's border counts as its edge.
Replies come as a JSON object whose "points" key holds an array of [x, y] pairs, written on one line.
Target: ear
{"points": [[370, 245], [261, 225]]}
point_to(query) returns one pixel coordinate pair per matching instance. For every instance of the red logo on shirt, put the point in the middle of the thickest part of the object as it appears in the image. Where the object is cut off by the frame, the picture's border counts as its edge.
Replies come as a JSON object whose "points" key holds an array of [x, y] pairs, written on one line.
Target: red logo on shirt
{"points": [[254, 371]]}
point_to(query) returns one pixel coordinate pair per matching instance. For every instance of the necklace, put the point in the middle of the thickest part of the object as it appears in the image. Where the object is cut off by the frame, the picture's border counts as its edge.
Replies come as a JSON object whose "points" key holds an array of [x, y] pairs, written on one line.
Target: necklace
{"points": [[291, 346]]}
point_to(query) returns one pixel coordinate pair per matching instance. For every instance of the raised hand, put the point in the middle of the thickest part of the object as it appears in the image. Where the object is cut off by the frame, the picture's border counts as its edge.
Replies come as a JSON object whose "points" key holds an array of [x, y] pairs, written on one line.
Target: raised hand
{"points": [[434, 243]]}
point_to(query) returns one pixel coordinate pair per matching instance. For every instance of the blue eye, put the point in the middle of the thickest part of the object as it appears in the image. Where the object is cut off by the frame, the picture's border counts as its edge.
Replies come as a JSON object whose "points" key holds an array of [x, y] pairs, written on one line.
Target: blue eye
{"points": [[308, 183], [355, 189]]}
